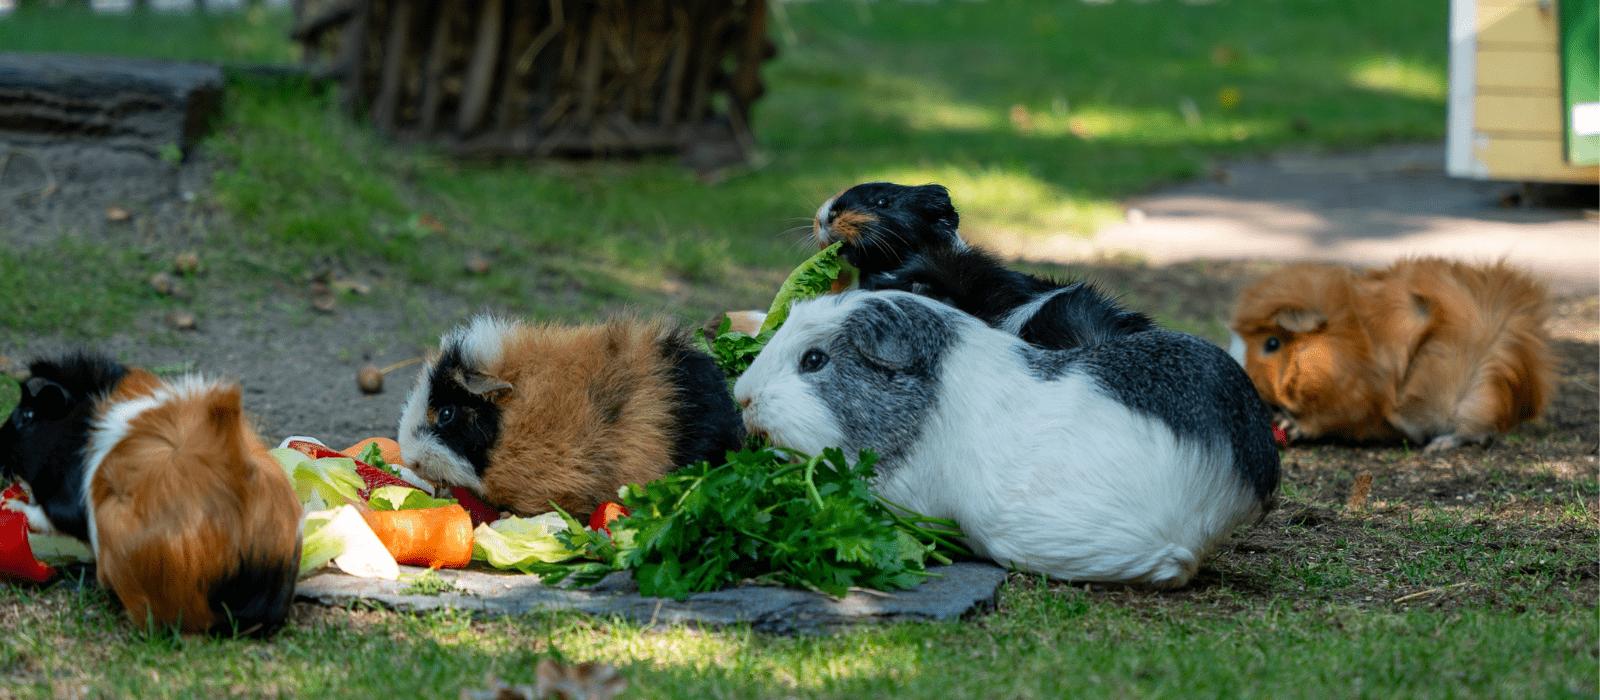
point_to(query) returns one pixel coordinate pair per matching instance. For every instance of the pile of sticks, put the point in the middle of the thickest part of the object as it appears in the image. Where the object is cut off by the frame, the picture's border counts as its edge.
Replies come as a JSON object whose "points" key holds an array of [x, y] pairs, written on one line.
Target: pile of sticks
{"points": [[546, 77]]}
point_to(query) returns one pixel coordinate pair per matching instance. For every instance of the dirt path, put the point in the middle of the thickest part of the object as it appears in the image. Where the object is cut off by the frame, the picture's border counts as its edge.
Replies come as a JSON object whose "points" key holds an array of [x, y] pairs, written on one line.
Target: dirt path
{"points": [[1368, 208]]}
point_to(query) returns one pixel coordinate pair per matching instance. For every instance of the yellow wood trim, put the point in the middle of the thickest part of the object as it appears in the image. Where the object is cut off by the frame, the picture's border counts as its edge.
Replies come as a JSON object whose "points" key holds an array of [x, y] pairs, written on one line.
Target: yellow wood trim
{"points": [[1541, 160], [1526, 70], [1520, 113], [1526, 24]]}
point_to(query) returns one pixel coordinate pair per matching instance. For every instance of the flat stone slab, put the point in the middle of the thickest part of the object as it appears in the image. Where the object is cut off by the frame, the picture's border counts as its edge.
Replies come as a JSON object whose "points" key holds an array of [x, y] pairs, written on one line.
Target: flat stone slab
{"points": [[129, 103], [962, 588]]}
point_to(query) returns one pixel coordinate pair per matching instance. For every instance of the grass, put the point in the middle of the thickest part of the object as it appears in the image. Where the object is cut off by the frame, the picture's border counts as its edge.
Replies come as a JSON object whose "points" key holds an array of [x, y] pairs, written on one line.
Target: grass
{"points": [[1038, 115], [1046, 641], [1476, 580]]}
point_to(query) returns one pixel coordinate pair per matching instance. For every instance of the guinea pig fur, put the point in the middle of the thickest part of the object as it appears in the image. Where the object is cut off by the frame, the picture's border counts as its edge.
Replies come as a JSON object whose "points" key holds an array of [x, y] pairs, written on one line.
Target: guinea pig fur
{"points": [[526, 415], [193, 525], [1438, 352], [1043, 312], [880, 222], [906, 238], [1126, 461]]}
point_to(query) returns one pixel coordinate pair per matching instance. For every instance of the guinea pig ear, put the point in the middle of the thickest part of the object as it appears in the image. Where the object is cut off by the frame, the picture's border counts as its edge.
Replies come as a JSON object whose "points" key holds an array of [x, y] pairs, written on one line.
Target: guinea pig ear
{"points": [[1300, 320], [48, 399], [896, 336], [482, 385]]}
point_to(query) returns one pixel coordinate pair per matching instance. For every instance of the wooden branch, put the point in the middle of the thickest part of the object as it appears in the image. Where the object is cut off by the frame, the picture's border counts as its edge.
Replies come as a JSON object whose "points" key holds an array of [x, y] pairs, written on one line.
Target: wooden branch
{"points": [[480, 72], [394, 58], [306, 29], [351, 64], [433, 70]]}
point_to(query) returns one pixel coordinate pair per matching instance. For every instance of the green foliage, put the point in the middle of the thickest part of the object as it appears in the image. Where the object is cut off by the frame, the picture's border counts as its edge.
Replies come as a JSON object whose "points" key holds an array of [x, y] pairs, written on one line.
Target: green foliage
{"points": [[734, 351], [427, 583], [810, 524]]}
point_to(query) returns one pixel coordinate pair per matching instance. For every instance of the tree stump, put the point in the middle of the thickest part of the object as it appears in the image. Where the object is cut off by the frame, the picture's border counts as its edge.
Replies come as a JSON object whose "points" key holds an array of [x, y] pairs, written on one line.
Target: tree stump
{"points": [[126, 103], [547, 77]]}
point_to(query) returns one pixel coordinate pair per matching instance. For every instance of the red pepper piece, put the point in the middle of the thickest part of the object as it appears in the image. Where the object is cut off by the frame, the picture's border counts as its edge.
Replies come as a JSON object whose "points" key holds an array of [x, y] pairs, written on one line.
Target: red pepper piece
{"points": [[1280, 436], [14, 492], [602, 516], [481, 512], [16, 555]]}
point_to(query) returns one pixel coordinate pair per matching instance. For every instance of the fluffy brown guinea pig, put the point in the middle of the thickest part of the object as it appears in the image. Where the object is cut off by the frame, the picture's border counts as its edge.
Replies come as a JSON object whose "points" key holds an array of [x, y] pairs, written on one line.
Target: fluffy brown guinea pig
{"points": [[192, 524], [526, 415], [1438, 352]]}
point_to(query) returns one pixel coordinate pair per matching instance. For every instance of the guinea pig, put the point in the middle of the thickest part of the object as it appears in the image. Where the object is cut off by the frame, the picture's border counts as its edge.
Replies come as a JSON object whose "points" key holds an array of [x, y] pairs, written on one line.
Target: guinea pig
{"points": [[881, 222], [1437, 352], [1128, 461], [192, 524], [525, 416], [906, 238]]}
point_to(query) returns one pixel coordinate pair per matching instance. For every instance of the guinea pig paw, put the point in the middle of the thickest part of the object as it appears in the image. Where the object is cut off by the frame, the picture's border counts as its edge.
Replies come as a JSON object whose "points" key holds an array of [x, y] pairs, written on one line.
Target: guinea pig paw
{"points": [[1442, 443]]}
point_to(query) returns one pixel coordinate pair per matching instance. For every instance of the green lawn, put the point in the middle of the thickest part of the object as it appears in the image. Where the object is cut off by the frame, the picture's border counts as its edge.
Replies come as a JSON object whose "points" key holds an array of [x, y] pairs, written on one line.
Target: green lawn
{"points": [[1039, 115]]}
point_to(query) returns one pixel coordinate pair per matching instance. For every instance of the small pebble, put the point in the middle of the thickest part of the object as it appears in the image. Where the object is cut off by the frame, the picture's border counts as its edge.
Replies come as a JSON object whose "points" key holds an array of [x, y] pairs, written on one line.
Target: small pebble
{"points": [[370, 380], [117, 215], [161, 282], [187, 263], [322, 298], [181, 320]]}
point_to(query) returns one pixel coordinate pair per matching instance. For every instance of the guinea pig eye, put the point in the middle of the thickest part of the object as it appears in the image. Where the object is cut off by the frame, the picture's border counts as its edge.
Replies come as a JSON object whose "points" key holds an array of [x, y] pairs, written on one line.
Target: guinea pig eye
{"points": [[444, 415], [24, 415], [1271, 345], [882, 201], [813, 360]]}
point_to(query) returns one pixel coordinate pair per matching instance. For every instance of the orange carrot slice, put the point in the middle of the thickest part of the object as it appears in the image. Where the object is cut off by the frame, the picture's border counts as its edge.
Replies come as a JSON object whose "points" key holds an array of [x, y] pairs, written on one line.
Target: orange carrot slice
{"points": [[433, 537]]}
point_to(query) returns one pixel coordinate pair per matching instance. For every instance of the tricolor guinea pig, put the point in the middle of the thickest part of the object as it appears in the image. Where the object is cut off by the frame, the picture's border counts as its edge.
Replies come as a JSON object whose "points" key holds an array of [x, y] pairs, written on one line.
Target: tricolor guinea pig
{"points": [[1438, 352], [1128, 461], [526, 415], [192, 524], [906, 238]]}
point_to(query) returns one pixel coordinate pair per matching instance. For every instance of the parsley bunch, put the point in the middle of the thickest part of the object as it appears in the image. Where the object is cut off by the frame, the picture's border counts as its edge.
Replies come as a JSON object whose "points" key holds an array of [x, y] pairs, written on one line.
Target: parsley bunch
{"points": [[813, 523]]}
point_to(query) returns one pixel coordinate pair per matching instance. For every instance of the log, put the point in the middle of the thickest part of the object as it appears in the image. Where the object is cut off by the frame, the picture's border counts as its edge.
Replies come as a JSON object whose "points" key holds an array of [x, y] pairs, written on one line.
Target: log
{"points": [[122, 102]]}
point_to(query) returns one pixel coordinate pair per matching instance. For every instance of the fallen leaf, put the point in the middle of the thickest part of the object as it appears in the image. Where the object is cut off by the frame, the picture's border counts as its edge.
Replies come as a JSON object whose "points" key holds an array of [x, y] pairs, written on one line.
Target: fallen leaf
{"points": [[116, 214]]}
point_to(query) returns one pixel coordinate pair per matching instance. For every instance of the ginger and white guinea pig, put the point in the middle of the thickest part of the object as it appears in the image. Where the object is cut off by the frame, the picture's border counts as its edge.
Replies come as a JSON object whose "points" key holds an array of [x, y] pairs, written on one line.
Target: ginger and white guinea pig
{"points": [[1438, 352], [906, 238], [526, 415], [1128, 461], [192, 524]]}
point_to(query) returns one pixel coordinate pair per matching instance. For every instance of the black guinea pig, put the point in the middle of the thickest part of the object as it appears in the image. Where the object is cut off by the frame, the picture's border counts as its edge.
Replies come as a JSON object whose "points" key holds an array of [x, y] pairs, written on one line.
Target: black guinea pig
{"points": [[906, 238], [525, 415]]}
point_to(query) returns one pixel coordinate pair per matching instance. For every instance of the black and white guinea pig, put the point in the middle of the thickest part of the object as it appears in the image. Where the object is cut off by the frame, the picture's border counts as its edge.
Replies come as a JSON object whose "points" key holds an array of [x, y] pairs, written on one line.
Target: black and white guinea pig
{"points": [[192, 524], [525, 415], [1127, 461], [906, 238]]}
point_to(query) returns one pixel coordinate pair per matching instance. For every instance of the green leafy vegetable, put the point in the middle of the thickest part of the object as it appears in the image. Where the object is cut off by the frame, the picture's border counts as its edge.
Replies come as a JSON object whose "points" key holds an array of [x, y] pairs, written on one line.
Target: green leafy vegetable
{"points": [[812, 278], [813, 524], [320, 483], [734, 351], [522, 543], [403, 498]]}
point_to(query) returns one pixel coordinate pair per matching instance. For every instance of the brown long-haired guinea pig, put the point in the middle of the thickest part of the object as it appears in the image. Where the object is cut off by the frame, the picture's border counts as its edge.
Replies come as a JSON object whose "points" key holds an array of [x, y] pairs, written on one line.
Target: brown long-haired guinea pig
{"points": [[1438, 352], [193, 525], [525, 415]]}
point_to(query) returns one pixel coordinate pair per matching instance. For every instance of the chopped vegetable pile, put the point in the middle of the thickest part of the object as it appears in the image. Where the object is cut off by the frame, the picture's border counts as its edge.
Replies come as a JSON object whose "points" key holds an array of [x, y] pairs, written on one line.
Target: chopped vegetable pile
{"points": [[769, 514]]}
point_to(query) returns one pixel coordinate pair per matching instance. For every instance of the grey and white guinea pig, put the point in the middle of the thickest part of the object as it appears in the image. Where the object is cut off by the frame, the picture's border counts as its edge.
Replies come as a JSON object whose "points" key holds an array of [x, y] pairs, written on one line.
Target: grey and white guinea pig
{"points": [[526, 415], [192, 524], [1128, 461]]}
